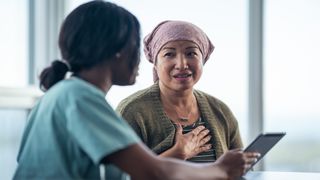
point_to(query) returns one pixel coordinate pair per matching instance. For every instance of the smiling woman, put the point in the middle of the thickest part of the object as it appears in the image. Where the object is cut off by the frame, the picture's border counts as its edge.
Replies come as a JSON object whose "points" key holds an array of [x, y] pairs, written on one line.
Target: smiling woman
{"points": [[179, 63], [186, 123]]}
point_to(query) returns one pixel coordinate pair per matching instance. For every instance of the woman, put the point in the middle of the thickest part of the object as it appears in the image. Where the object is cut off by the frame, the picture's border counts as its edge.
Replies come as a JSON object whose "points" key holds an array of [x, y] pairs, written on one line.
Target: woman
{"points": [[205, 127], [73, 130]]}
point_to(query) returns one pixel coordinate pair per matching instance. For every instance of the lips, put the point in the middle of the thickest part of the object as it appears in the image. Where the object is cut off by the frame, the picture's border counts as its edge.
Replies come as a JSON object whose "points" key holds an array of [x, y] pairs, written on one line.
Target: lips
{"points": [[182, 75]]}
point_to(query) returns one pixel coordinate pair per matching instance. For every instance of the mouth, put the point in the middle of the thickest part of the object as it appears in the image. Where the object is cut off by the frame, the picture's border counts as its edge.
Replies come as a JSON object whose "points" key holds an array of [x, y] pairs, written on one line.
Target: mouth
{"points": [[182, 76]]}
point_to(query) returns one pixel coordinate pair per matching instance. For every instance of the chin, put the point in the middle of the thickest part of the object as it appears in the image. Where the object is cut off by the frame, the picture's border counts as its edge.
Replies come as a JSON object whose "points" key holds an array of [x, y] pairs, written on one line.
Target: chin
{"points": [[131, 82], [127, 82], [187, 86]]}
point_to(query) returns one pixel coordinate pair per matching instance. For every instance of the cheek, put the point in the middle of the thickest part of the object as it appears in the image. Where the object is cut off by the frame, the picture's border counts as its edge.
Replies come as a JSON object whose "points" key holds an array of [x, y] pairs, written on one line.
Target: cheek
{"points": [[162, 70], [197, 65], [159, 65], [198, 69], [200, 72], [200, 66]]}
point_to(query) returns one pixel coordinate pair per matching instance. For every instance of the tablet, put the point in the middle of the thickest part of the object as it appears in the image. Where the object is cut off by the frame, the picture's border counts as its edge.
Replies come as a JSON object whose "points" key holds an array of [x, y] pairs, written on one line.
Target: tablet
{"points": [[263, 143]]}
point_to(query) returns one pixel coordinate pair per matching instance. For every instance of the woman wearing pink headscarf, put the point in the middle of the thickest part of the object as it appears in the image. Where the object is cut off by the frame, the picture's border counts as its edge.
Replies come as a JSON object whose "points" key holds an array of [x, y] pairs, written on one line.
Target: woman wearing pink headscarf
{"points": [[171, 117]]}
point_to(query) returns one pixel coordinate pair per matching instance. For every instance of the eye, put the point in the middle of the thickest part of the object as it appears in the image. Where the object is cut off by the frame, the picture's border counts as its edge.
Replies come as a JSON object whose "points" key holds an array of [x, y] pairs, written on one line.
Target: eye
{"points": [[168, 54], [192, 54]]}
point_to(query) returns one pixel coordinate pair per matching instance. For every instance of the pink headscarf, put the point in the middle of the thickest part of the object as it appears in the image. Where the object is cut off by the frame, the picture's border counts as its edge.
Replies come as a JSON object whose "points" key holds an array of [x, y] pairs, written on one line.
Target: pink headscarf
{"points": [[168, 31]]}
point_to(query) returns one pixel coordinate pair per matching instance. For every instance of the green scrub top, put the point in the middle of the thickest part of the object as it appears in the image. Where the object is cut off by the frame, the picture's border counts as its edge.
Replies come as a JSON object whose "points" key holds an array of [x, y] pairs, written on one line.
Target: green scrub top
{"points": [[69, 132]]}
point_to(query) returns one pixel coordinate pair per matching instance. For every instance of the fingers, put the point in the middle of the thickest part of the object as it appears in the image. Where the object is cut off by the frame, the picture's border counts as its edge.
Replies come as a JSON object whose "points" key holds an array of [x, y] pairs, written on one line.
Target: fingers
{"points": [[200, 131], [204, 141], [206, 147], [178, 129], [252, 154], [249, 159], [197, 130], [203, 133], [248, 164], [200, 136], [193, 142], [235, 150], [238, 162], [200, 149], [246, 155], [234, 163], [203, 146]]}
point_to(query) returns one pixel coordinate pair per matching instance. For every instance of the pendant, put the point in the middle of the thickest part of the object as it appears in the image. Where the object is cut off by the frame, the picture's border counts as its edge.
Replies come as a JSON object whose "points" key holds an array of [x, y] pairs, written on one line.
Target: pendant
{"points": [[183, 119]]}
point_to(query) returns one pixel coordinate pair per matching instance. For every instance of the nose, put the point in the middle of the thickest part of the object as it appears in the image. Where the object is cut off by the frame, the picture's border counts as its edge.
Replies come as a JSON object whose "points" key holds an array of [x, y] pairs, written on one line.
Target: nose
{"points": [[181, 63]]}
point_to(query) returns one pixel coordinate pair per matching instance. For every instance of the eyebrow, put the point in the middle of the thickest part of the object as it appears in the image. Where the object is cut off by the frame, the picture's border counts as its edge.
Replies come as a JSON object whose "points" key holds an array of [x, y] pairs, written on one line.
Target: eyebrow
{"points": [[192, 47], [189, 47], [168, 48]]}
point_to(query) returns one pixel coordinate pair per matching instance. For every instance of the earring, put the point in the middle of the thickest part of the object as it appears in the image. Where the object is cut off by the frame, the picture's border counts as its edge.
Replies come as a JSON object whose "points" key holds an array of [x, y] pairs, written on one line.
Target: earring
{"points": [[118, 55]]}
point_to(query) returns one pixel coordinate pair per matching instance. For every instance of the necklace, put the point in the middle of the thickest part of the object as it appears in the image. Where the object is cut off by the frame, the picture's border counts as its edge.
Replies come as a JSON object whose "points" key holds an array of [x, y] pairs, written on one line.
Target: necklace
{"points": [[185, 118]]}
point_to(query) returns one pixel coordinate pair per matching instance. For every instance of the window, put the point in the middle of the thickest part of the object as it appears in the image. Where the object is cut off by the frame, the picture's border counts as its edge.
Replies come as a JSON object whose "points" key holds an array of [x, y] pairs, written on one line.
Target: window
{"points": [[13, 73], [12, 125], [14, 43], [292, 83]]}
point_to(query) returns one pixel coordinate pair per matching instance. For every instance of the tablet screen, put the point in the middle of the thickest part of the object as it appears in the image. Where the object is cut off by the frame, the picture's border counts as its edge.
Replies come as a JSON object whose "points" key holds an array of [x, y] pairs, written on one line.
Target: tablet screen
{"points": [[263, 143]]}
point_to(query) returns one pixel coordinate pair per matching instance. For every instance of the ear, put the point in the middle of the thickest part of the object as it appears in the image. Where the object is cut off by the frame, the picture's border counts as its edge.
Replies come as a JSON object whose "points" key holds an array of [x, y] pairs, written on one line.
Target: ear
{"points": [[118, 55], [155, 74]]}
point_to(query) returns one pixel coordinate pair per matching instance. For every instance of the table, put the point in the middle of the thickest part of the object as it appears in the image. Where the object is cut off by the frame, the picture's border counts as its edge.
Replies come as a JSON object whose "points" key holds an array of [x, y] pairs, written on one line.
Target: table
{"points": [[271, 175]]}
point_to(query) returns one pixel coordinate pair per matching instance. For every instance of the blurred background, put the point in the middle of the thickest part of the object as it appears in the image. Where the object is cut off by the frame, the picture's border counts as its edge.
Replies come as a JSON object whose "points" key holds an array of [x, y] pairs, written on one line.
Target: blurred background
{"points": [[265, 67]]}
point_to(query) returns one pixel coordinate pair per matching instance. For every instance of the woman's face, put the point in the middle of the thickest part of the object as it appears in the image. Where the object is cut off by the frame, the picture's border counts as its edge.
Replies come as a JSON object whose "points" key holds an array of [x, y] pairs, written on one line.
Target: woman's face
{"points": [[179, 65]]}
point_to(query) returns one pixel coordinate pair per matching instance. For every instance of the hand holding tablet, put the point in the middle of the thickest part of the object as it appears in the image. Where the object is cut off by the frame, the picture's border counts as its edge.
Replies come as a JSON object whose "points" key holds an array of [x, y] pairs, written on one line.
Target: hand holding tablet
{"points": [[263, 143]]}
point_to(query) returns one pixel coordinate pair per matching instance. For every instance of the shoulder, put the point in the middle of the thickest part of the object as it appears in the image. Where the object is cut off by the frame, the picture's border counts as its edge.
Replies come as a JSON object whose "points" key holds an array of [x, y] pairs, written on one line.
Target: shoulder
{"points": [[73, 91], [214, 105], [78, 87], [210, 100], [140, 100]]}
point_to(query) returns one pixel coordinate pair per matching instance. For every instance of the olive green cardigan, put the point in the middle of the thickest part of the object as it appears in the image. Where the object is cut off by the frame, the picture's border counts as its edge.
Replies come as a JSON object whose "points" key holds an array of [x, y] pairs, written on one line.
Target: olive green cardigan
{"points": [[144, 112]]}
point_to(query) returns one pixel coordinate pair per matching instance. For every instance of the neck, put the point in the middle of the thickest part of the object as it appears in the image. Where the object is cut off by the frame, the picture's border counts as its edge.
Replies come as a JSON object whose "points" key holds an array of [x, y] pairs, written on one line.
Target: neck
{"points": [[99, 76], [177, 98], [180, 106]]}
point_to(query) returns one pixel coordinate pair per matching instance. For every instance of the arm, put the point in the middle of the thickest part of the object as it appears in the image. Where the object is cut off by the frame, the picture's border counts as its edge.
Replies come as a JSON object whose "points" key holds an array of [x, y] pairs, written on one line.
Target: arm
{"points": [[234, 135], [227, 123], [231, 165]]}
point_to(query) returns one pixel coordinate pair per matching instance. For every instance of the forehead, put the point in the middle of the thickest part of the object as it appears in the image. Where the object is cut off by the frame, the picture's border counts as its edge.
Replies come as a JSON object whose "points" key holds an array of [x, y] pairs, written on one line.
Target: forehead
{"points": [[180, 44]]}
